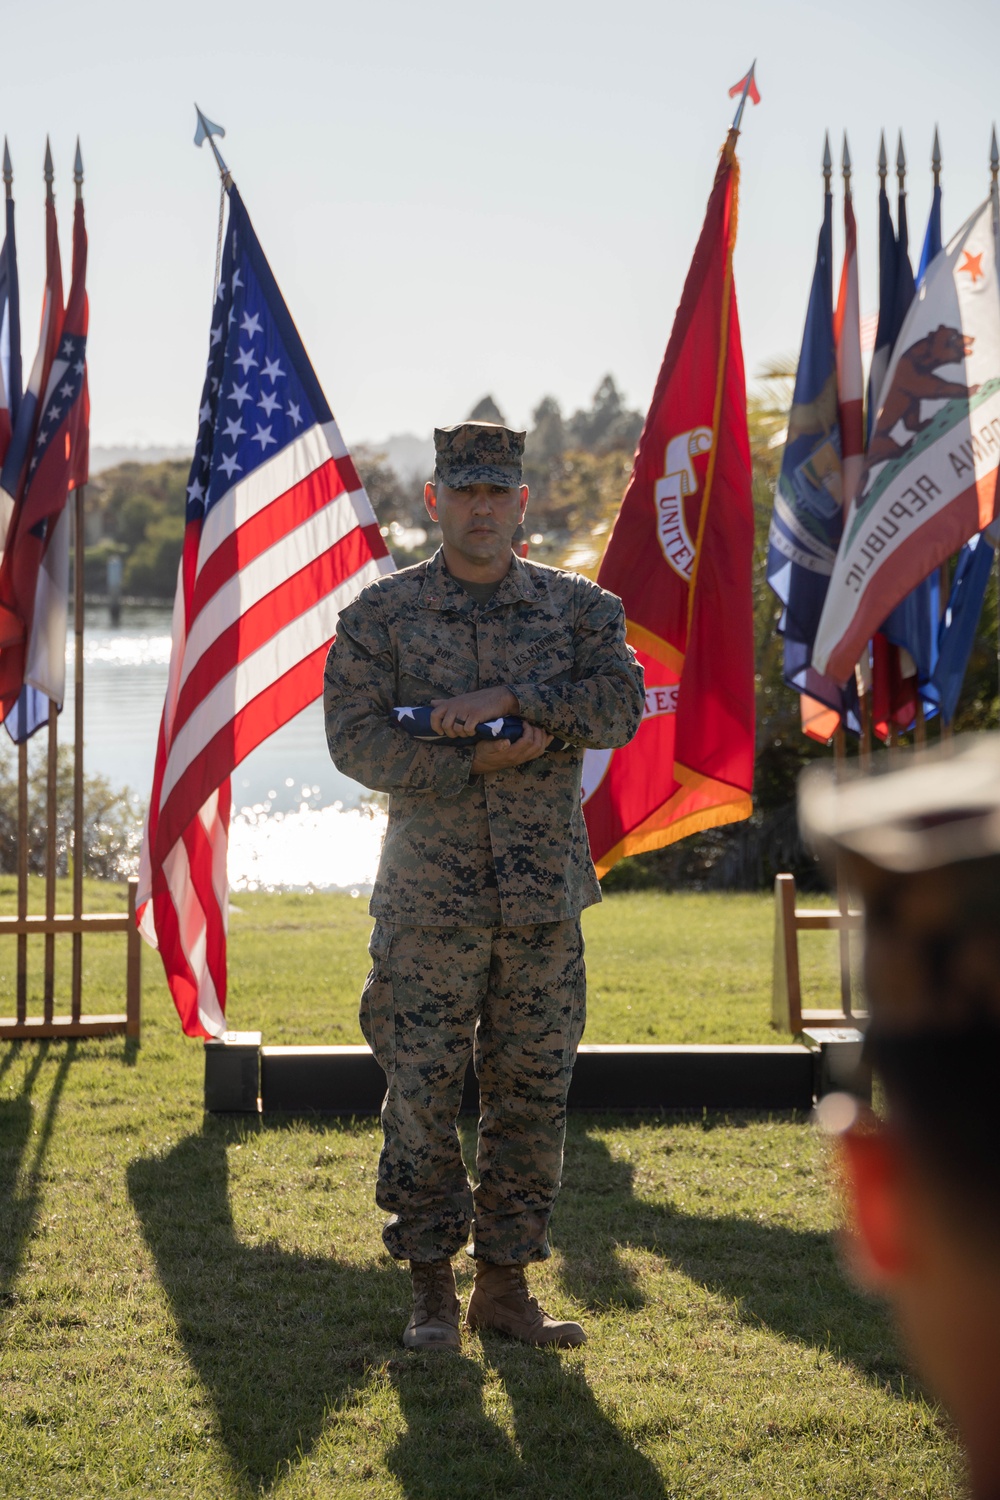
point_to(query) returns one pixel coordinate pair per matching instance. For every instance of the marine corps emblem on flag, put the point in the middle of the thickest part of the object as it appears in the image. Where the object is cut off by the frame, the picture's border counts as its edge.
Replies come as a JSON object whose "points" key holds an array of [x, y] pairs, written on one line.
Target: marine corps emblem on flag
{"points": [[680, 485], [680, 558]]}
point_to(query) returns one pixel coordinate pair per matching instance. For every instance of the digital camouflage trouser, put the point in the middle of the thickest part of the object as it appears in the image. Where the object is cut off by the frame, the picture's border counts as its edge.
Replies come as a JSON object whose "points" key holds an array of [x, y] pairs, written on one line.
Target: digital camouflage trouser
{"points": [[514, 998]]}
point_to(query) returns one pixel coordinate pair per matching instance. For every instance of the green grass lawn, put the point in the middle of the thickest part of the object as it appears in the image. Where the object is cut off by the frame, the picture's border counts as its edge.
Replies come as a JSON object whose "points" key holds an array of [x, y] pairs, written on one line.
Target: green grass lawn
{"points": [[201, 1307]]}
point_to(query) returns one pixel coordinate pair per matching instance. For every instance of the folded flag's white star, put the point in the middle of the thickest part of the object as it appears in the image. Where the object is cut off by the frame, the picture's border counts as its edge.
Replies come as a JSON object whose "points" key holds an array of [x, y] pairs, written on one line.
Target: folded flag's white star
{"points": [[493, 725], [404, 713]]}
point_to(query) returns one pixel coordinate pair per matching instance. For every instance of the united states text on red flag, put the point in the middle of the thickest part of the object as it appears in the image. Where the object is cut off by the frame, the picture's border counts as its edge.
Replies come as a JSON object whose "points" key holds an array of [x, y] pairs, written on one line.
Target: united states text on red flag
{"points": [[680, 557], [279, 537]]}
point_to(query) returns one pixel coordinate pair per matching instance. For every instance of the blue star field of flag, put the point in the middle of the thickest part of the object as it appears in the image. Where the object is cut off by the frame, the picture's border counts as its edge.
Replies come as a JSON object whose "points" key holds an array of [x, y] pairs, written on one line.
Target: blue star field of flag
{"points": [[260, 392], [65, 381], [416, 722]]}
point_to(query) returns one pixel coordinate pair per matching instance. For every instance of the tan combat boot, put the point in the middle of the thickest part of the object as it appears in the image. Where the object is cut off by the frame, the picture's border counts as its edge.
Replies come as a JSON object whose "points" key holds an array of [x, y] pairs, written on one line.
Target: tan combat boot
{"points": [[436, 1309], [500, 1299]]}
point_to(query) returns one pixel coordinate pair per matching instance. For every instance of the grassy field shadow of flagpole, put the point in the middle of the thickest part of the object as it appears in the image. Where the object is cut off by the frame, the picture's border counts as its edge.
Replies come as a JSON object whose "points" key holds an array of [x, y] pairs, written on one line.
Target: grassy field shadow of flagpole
{"points": [[23, 1148], [278, 1338], [777, 1277]]}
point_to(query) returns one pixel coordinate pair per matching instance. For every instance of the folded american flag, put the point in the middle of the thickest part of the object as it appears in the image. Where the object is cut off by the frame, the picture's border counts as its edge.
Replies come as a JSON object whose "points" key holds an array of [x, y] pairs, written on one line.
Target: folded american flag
{"points": [[416, 722]]}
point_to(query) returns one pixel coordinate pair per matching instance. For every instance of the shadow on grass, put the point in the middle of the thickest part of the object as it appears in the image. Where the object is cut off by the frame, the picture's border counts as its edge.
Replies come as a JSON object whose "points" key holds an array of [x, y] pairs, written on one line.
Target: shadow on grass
{"points": [[787, 1280], [22, 1154], [564, 1445], [280, 1340]]}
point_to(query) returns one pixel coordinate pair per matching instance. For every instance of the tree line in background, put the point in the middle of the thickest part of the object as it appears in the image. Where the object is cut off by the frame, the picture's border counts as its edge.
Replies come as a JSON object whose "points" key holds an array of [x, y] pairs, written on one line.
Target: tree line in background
{"points": [[577, 468]]}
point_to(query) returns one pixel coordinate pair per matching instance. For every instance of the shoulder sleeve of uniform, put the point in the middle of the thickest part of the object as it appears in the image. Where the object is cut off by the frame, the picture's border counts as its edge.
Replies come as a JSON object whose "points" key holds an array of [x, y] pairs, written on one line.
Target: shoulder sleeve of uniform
{"points": [[602, 706]]}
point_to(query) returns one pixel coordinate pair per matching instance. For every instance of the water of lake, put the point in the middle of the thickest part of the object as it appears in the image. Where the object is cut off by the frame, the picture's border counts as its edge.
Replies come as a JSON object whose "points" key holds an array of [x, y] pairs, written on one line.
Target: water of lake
{"points": [[297, 822]]}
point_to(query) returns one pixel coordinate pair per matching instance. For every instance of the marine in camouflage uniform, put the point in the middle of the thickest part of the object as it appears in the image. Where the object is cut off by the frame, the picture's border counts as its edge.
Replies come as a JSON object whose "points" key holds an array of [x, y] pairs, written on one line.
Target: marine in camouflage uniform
{"points": [[477, 948]]}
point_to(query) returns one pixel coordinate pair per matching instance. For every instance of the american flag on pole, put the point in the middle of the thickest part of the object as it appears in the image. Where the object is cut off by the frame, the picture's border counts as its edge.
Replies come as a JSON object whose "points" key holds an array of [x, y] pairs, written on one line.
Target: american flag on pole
{"points": [[279, 536], [47, 457]]}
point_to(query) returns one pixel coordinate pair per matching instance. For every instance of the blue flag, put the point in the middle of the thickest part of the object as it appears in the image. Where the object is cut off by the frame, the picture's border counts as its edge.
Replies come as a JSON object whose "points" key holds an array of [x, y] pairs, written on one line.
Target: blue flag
{"points": [[961, 620], [10, 338], [932, 238], [808, 514]]}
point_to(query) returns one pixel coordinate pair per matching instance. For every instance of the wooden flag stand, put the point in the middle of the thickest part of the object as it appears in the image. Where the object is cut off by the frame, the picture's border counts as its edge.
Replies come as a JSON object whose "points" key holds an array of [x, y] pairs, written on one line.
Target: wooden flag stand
{"points": [[50, 925], [787, 1013]]}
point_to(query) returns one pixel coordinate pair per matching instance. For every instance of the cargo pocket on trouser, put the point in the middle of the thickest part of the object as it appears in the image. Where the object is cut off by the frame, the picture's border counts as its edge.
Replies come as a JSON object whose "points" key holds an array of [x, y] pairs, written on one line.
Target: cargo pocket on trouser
{"points": [[377, 1013]]}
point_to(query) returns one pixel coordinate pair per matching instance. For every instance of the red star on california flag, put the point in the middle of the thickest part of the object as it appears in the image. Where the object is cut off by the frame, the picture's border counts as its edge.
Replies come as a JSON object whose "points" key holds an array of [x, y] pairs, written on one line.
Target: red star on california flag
{"points": [[973, 264]]}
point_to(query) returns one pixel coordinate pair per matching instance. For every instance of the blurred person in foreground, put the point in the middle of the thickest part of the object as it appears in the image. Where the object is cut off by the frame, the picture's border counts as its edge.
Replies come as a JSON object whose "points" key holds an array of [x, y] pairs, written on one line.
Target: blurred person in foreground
{"points": [[477, 949], [922, 847]]}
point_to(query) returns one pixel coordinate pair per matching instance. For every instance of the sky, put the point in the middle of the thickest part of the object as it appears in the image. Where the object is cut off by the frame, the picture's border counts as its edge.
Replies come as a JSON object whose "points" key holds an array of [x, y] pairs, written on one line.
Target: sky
{"points": [[459, 199]]}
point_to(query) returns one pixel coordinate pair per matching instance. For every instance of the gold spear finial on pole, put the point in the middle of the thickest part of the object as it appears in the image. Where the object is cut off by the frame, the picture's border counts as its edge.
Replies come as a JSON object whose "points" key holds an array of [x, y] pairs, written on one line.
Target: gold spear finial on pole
{"points": [[49, 173], [8, 171], [78, 171], [994, 159], [845, 166], [901, 166], [827, 162], [883, 162]]}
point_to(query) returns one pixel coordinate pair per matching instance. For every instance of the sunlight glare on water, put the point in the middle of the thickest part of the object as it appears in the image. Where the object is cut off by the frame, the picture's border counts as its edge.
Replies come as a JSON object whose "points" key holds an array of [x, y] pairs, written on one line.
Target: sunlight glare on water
{"points": [[319, 848]]}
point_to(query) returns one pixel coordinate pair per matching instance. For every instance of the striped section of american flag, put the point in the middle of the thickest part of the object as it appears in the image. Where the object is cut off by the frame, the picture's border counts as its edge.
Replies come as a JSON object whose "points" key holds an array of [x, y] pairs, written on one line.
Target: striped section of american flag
{"points": [[279, 537]]}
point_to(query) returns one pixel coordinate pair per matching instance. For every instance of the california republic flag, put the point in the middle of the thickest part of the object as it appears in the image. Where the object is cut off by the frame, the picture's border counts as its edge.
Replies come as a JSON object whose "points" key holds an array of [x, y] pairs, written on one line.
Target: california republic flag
{"points": [[930, 476]]}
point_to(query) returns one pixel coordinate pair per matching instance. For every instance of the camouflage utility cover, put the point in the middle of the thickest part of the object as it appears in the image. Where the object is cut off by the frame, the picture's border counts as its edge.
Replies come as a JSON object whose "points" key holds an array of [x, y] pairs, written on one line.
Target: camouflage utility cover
{"points": [[478, 453], [465, 850]]}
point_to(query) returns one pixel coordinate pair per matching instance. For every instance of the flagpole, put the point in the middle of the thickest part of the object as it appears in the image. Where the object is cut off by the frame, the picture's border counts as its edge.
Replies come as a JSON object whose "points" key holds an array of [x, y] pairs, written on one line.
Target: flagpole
{"points": [[51, 796], [840, 738], [207, 130], [894, 731], [944, 571], [865, 745], [78, 849], [22, 768]]}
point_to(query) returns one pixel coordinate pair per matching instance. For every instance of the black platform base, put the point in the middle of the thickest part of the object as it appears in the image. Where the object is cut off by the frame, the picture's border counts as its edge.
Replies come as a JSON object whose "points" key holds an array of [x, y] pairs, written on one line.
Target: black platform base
{"points": [[348, 1080]]}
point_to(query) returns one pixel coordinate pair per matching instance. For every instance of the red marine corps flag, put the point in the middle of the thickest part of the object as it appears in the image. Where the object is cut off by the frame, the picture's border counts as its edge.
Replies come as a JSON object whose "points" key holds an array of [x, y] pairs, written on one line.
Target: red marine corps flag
{"points": [[680, 557]]}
